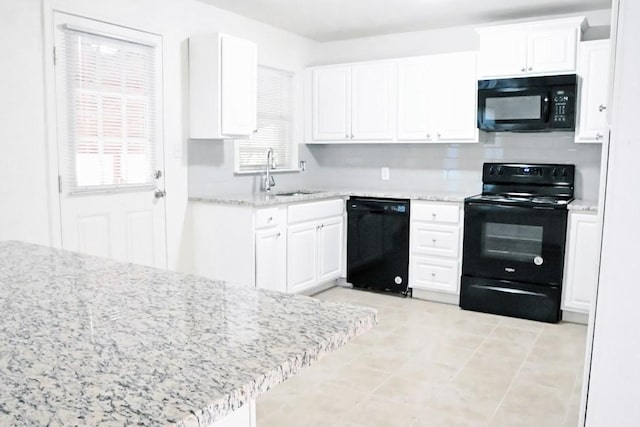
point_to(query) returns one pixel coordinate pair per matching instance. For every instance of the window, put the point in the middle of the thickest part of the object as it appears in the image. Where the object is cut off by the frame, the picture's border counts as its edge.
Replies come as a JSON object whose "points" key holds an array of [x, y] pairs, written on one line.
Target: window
{"points": [[275, 124], [111, 96]]}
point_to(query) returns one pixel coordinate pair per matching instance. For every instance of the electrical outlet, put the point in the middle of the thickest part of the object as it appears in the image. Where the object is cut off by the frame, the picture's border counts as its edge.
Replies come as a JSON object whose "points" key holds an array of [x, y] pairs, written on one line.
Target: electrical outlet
{"points": [[384, 174]]}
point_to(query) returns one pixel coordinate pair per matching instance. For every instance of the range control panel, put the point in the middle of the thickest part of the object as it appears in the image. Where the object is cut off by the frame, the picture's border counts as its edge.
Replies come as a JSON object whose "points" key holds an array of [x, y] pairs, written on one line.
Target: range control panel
{"points": [[551, 174]]}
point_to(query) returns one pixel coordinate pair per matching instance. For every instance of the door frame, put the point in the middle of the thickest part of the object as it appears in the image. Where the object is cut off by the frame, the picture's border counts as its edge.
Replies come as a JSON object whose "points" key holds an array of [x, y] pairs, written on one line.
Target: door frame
{"points": [[52, 153]]}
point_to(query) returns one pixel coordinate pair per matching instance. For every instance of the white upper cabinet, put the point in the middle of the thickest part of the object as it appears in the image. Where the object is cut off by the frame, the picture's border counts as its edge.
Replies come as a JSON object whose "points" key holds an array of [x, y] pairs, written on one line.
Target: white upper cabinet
{"points": [[415, 104], [456, 99], [593, 89], [373, 101], [331, 103], [502, 53], [354, 102], [222, 86], [536, 48], [437, 98]]}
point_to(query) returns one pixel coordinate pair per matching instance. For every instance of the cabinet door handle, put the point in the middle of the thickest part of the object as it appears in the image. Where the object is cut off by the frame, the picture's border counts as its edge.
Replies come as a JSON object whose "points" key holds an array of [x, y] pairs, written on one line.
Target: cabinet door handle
{"points": [[433, 215], [601, 108], [530, 68], [434, 240], [278, 235], [433, 274], [599, 135], [428, 136], [347, 136], [270, 219], [439, 135], [351, 136], [321, 225], [523, 69]]}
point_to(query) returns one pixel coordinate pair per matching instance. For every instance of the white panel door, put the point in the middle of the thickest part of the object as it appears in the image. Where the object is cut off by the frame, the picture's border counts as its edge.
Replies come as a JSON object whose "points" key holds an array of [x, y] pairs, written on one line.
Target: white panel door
{"points": [[552, 51], [582, 262], [302, 256], [503, 53], [331, 104], [271, 258], [415, 99], [110, 141], [373, 97], [330, 246], [593, 70], [455, 95], [239, 84]]}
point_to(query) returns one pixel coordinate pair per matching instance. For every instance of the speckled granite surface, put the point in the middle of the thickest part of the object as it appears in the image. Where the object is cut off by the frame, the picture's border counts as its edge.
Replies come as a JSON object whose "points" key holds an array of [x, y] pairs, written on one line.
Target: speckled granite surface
{"points": [[584, 205], [261, 199], [88, 341]]}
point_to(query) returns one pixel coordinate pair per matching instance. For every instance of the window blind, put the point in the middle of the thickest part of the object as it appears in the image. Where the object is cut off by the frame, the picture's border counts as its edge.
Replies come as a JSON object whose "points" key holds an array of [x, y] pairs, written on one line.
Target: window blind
{"points": [[275, 124], [111, 98]]}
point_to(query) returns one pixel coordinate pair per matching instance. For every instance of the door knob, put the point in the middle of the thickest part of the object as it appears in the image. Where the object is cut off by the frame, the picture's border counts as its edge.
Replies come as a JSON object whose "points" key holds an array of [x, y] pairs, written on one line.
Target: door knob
{"points": [[159, 194]]}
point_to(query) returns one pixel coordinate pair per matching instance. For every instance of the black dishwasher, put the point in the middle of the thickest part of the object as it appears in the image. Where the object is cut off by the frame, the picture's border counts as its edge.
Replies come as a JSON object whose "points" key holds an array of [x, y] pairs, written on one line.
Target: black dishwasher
{"points": [[378, 244]]}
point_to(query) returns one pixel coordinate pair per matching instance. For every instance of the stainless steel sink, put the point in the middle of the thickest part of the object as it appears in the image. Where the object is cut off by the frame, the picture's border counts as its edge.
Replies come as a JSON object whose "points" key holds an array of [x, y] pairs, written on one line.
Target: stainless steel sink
{"points": [[296, 193]]}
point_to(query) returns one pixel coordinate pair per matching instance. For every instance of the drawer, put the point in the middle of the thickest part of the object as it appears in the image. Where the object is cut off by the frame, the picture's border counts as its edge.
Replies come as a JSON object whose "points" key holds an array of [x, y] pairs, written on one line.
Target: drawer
{"points": [[270, 217], [434, 239], [315, 210], [434, 274], [435, 212]]}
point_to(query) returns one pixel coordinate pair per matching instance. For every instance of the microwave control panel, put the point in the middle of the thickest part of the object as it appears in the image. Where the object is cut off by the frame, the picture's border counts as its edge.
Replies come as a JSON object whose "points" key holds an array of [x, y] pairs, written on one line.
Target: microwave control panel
{"points": [[563, 107]]}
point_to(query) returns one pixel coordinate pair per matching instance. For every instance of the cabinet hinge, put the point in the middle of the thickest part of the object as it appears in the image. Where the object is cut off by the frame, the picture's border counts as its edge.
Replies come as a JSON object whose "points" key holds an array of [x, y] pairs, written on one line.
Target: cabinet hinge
{"points": [[55, 59], [60, 184]]}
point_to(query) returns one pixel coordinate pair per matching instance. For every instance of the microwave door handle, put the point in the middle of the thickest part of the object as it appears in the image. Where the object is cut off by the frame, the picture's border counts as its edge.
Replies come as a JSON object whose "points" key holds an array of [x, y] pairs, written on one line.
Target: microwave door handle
{"points": [[546, 107]]}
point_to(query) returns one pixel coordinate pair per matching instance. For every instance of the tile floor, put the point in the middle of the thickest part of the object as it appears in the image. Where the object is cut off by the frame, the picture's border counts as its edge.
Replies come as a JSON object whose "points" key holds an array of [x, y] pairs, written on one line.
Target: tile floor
{"points": [[430, 364]]}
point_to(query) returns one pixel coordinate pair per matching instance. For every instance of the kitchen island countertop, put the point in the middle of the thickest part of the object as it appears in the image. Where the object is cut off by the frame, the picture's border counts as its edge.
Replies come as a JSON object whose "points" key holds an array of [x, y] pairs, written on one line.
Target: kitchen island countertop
{"points": [[91, 341]]}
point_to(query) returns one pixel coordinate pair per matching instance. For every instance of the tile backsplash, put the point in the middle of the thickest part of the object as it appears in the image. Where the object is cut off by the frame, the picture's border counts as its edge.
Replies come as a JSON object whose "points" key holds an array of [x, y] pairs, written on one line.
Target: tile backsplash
{"points": [[413, 167]]}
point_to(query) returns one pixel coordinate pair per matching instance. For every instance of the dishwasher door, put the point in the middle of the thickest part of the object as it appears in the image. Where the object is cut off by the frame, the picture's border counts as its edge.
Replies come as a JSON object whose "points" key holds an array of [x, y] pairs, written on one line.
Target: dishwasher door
{"points": [[378, 244]]}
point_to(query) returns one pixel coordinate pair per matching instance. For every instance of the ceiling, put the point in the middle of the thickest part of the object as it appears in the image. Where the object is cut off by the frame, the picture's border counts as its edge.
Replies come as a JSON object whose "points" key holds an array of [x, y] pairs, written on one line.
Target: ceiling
{"points": [[326, 20]]}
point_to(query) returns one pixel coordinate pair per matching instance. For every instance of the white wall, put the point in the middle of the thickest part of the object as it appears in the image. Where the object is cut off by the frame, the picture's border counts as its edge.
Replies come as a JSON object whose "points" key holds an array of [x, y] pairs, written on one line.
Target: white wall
{"points": [[614, 390], [453, 39], [23, 157], [24, 210]]}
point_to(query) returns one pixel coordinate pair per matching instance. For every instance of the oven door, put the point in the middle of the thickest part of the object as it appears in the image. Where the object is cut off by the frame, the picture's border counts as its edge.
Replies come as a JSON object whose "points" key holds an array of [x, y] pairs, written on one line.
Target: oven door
{"points": [[514, 109], [521, 244]]}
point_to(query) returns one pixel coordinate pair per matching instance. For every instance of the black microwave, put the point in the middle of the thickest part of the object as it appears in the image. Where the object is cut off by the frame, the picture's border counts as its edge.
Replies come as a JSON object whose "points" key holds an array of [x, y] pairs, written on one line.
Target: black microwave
{"points": [[531, 104]]}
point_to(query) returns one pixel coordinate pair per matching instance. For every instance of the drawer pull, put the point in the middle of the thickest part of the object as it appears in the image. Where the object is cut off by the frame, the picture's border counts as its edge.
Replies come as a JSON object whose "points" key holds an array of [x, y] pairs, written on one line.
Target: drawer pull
{"points": [[434, 240]]}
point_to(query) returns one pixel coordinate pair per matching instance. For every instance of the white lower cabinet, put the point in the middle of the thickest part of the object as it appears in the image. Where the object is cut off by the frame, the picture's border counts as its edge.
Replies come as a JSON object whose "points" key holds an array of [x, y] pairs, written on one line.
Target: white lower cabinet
{"points": [[435, 246], [582, 262], [330, 249], [434, 274], [284, 248], [315, 250], [271, 259], [302, 256]]}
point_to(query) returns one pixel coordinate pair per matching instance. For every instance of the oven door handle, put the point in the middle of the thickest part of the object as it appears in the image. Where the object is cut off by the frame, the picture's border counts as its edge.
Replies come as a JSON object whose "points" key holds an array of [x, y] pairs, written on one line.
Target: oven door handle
{"points": [[509, 290]]}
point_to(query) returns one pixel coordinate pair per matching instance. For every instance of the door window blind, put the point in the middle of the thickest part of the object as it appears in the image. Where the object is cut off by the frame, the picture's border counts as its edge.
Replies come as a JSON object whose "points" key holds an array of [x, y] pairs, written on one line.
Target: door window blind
{"points": [[275, 124], [111, 98]]}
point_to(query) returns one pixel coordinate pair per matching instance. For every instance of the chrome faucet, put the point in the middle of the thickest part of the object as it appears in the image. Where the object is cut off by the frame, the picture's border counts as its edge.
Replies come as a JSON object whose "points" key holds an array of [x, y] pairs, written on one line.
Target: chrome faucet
{"points": [[269, 181]]}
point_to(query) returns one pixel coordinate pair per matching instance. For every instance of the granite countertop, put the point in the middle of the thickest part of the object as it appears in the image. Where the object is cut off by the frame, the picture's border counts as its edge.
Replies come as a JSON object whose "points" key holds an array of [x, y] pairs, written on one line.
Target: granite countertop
{"points": [[583, 205], [261, 199], [90, 341]]}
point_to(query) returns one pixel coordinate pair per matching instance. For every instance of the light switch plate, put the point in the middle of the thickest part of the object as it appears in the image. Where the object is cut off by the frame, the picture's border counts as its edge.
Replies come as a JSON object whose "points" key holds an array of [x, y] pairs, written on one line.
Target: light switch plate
{"points": [[384, 174]]}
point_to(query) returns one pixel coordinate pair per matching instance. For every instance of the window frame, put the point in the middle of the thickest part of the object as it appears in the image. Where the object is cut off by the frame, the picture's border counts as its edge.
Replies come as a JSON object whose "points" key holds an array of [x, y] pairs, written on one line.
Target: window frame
{"points": [[67, 170], [294, 159]]}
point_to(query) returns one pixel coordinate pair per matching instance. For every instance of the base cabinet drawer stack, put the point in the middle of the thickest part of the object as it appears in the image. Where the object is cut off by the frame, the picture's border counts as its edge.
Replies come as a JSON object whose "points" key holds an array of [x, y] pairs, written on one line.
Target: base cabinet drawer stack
{"points": [[435, 239]]}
